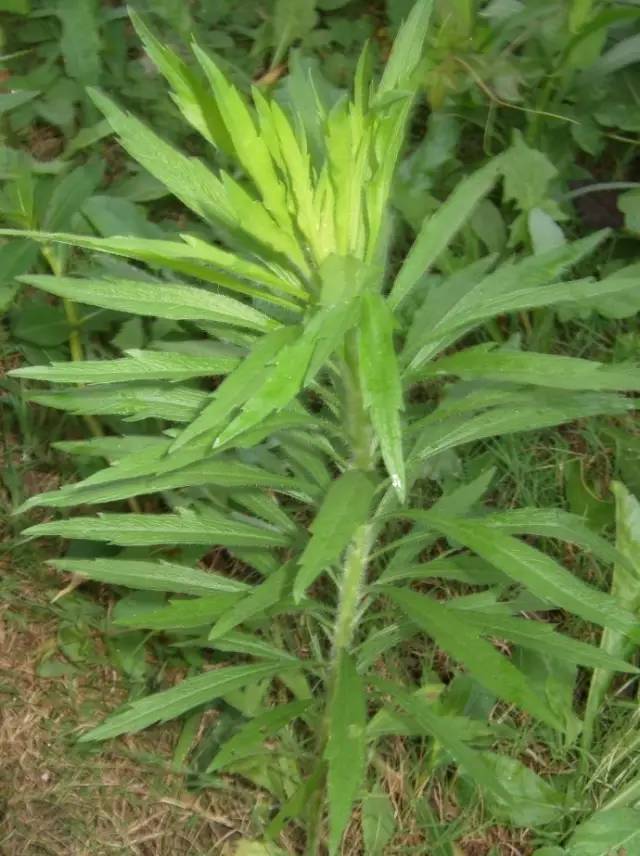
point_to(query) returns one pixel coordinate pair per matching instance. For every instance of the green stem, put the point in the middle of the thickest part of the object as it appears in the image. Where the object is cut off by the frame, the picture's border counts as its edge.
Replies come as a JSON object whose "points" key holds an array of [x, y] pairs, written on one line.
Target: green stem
{"points": [[360, 433]]}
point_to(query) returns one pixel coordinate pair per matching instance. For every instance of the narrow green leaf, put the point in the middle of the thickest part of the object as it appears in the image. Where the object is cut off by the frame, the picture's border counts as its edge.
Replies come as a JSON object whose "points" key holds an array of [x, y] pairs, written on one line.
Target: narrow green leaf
{"points": [[440, 728], [541, 574], [248, 740], [625, 588], [184, 614], [463, 642], [381, 384], [485, 361], [188, 694], [186, 177], [261, 598], [132, 400], [407, 50], [346, 748], [137, 365], [158, 300], [150, 576], [129, 530], [344, 509], [438, 230]]}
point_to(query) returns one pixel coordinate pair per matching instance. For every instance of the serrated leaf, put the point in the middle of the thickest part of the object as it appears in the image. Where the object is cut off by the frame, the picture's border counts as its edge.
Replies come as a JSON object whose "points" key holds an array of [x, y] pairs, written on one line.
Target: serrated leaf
{"points": [[249, 738], [190, 693], [540, 574], [182, 614], [128, 530], [438, 230], [380, 377], [80, 41], [346, 747], [539, 636], [463, 642], [261, 598], [485, 361], [136, 365], [625, 588], [134, 401], [159, 299], [344, 509], [440, 727], [150, 576]]}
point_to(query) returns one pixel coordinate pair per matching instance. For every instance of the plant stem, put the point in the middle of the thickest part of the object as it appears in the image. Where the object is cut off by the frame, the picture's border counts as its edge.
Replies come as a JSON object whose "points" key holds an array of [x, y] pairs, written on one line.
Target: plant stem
{"points": [[360, 433]]}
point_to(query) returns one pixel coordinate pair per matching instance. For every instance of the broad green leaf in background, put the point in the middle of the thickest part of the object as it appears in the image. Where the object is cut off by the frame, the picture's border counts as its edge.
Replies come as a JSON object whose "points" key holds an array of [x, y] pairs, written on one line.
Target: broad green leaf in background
{"points": [[346, 748], [81, 43], [607, 833], [378, 822]]}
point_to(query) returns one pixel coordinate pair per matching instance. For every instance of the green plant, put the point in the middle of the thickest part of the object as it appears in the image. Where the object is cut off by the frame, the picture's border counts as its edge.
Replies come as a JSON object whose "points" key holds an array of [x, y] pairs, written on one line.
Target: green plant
{"points": [[301, 469]]}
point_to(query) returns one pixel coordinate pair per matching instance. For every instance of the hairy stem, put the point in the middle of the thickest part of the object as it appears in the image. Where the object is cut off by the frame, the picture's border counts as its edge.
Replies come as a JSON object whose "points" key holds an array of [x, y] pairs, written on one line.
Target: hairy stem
{"points": [[359, 430]]}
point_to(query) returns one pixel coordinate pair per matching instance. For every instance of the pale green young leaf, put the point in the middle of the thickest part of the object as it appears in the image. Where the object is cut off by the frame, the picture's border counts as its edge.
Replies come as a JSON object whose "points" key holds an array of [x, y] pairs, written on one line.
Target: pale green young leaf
{"points": [[607, 832], [248, 145], [344, 509], [156, 299], [381, 384], [540, 574], [135, 366], [487, 362], [250, 737], [193, 98], [438, 230], [625, 588], [407, 50], [134, 401], [187, 178], [190, 693], [236, 642], [346, 747], [140, 530], [239, 386], [150, 576], [378, 822], [183, 614], [111, 448], [464, 643]]}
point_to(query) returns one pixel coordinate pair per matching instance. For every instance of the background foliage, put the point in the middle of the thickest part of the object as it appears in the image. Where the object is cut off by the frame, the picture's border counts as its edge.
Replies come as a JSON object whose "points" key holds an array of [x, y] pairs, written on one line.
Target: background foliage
{"points": [[553, 85]]}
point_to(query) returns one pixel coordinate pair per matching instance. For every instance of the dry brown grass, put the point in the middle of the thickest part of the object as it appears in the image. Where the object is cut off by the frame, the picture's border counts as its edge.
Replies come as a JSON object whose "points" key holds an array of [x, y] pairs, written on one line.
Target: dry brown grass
{"points": [[61, 799]]}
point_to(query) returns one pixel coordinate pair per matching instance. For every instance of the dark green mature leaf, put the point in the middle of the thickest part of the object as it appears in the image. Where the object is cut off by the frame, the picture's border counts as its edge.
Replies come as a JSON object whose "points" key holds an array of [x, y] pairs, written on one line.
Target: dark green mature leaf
{"points": [[159, 300], [485, 361], [137, 365], [259, 599], [80, 42], [541, 574], [346, 747], [539, 636], [128, 530], [250, 737], [440, 727], [150, 576], [188, 694], [214, 471], [184, 614], [381, 384], [463, 642], [438, 230], [344, 509], [132, 400]]}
